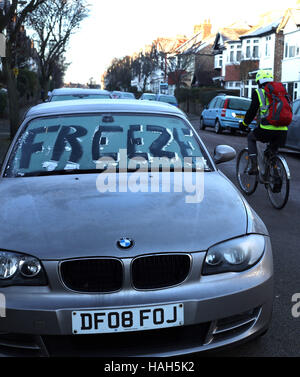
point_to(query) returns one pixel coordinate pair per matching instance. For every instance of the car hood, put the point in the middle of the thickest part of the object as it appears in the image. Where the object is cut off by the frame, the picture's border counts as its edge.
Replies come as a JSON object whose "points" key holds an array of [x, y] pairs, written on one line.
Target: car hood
{"points": [[58, 217]]}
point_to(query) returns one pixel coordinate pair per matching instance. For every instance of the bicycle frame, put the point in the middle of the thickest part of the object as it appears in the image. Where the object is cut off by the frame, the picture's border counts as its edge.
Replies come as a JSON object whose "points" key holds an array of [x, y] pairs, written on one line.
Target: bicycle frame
{"points": [[261, 148]]}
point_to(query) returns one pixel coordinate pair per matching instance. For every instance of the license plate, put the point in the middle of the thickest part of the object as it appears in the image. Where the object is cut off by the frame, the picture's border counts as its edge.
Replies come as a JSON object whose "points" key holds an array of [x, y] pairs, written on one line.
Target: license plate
{"points": [[240, 116], [130, 319]]}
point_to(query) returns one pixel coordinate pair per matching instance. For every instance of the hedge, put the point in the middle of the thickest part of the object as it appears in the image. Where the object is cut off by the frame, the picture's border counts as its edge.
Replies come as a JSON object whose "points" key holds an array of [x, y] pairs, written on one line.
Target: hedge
{"points": [[202, 95], [3, 102]]}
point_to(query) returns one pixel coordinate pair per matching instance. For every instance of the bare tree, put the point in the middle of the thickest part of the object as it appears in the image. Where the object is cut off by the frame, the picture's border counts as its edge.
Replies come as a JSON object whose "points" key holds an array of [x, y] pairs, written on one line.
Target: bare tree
{"points": [[14, 14], [119, 74], [145, 65], [53, 24], [180, 69]]}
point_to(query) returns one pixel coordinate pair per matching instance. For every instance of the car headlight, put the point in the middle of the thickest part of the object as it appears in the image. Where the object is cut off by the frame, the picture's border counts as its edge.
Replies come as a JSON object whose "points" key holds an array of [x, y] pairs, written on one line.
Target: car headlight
{"points": [[20, 269], [235, 255]]}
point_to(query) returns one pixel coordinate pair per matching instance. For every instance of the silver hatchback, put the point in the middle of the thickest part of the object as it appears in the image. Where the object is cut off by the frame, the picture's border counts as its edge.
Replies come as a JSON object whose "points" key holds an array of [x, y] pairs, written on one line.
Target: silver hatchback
{"points": [[120, 237]]}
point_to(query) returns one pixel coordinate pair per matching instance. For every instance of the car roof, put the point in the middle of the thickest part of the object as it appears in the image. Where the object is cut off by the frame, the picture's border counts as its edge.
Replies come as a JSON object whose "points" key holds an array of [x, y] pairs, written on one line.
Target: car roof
{"points": [[225, 95], [166, 95], [101, 105], [71, 91]]}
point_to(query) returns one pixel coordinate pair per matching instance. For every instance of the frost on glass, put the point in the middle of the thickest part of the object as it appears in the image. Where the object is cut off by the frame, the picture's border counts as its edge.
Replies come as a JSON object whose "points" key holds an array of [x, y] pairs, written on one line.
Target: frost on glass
{"points": [[78, 142]]}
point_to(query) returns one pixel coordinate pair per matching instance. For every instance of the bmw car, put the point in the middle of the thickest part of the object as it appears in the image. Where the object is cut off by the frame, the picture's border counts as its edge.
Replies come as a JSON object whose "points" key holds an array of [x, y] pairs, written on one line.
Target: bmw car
{"points": [[121, 237]]}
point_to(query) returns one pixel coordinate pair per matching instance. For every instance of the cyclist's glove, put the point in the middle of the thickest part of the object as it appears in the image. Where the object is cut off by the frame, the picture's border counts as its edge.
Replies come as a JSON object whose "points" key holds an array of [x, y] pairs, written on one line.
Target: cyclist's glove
{"points": [[243, 126]]}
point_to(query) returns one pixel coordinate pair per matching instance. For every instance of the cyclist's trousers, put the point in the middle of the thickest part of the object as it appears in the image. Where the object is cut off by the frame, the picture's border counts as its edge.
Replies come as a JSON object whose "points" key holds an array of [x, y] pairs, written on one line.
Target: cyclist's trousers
{"points": [[275, 138]]}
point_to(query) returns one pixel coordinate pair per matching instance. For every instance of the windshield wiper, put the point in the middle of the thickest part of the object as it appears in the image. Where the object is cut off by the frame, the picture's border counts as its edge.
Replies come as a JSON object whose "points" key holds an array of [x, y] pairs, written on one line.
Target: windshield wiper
{"points": [[40, 173]]}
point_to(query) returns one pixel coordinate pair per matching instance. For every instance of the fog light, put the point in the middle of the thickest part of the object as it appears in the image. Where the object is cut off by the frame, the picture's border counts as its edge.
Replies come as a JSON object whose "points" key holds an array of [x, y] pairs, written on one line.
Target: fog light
{"points": [[8, 265]]}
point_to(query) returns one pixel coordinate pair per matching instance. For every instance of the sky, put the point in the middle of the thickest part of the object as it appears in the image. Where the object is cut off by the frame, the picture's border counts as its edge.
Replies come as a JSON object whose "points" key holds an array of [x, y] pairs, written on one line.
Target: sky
{"points": [[116, 28]]}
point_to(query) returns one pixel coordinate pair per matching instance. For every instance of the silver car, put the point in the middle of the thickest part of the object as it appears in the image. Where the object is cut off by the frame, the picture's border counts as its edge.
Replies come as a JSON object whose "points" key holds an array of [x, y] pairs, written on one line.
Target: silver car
{"points": [[120, 237]]}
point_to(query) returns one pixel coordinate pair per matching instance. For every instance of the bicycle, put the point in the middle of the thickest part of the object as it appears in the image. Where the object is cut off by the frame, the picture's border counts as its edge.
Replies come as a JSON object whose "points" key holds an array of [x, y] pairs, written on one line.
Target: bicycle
{"points": [[273, 173]]}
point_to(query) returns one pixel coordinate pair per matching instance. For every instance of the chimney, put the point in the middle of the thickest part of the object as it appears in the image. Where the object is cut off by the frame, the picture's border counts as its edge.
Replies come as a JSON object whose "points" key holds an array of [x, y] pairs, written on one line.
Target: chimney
{"points": [[205, 28]]}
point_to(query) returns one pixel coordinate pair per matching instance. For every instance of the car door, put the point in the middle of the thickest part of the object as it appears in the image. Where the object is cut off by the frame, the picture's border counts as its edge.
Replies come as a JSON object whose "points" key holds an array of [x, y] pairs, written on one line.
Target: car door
{"points": [[208, 119], [293, 136], [216, 110]]}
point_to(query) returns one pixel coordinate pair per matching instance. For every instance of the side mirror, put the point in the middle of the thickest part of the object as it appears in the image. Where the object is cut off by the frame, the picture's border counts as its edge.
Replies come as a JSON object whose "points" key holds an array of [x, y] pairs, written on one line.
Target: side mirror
{"points": [[223, 153]]}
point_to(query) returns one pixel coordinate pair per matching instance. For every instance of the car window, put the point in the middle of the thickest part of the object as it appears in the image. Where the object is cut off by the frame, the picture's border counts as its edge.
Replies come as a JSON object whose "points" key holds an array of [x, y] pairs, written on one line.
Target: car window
{"points": [[168, 99], [296, 108], [218, 103], [128, 95], [212, 103], [79, 96], [149, 96], [62, 143], [239, 104]]}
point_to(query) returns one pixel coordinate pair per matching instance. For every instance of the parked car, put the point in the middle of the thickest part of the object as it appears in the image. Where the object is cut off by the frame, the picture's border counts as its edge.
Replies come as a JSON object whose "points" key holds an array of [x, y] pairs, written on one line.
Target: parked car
{"points": [[167, 98], [93, 262], [293, 135], [225, 112], [122, 95], [148, 96], [66, 94]]}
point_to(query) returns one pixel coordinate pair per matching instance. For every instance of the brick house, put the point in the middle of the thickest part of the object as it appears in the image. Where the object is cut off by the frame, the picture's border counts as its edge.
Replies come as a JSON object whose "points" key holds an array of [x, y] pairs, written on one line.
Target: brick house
{"points": [[196, 56], [227, 54], [241, 55]]}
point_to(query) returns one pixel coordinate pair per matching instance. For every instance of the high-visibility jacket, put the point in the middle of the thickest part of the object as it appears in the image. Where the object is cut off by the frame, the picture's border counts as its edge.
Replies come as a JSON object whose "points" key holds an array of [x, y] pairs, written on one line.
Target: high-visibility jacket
{"points": [[263, 109]]}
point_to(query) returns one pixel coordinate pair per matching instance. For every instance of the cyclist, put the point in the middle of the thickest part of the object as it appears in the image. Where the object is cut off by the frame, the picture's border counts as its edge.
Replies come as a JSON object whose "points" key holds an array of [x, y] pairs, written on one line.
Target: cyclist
{"points": [[264, 133]]}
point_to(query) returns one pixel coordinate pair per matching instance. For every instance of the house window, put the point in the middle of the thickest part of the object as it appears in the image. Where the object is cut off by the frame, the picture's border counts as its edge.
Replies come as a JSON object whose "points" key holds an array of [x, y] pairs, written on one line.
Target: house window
{"points": [[256, 48], [296, 90], [239, 53], [291, 50], [267, 45], [218, 61], [248, 52], [252, 49]]}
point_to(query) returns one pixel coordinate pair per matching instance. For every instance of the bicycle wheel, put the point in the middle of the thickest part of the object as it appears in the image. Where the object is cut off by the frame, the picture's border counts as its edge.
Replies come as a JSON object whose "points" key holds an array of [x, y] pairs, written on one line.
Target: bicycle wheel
{"points": [[247, 183], [278, 182]]}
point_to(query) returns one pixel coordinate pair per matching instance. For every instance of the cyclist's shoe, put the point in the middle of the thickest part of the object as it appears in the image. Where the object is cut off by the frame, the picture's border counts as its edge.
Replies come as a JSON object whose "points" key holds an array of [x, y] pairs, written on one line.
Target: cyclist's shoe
{"points": [[253, 169]]}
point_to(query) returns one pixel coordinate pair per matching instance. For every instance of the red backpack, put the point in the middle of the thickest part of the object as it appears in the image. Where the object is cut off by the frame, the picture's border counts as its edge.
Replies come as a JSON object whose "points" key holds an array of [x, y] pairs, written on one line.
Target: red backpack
{"points": [[279, 109]]}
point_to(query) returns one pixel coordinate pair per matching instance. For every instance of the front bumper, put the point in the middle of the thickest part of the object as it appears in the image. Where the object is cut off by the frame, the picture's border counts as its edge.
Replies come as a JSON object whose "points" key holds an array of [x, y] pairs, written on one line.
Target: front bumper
{"points": [[219, 310]]}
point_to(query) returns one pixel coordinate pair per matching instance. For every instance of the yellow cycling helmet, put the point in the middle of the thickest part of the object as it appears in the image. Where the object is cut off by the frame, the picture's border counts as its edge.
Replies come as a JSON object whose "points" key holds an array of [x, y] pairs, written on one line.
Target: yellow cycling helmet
{"points": [[264, 76]]}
